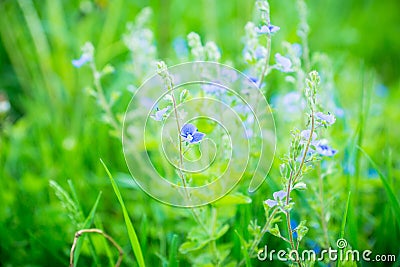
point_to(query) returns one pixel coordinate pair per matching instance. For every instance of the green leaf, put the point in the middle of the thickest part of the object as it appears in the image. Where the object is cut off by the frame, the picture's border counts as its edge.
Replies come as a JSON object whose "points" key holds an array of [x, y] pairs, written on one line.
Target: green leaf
{"points": [[173, 261], [87, 224], [345, 216], [221, 231], [339, 262], [244, 250], [301, 230], [275, 231], [233, 199], [129, 226], [194, 245]]}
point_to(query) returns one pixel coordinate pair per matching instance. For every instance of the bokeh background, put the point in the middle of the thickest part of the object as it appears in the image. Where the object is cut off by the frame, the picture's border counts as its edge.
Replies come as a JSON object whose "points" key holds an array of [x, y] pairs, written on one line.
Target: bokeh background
{"points": [[54, 131]]}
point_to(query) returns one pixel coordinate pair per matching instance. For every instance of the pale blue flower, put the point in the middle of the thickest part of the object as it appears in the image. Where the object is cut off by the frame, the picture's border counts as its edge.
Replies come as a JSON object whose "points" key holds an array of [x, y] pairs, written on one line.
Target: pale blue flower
{"points": [[190, 134], [267, 29], [327, 119], [260, 52], [323, 149], [284, 63], [297, 49], [305, 136], [212, 88], [293, 102], [82, 60], [278, 197], [159, 115]]}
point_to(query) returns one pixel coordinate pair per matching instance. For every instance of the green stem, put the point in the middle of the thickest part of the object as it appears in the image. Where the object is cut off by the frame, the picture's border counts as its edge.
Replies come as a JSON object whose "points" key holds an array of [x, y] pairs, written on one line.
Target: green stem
{"points": [[321, 197], [257, 240], [293, 179], [103, 101], [266, 65]]}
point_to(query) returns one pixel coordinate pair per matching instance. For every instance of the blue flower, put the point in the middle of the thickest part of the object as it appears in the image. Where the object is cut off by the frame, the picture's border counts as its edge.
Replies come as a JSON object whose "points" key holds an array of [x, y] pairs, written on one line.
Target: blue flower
{"points": [[297, 49], [260, 52], [327, 119], [323, 149], [180, 47], [284, 63], [212, 88], [81, 61], [87, 55], [305, 135], [278, 197], [293, 102], [267, 29], [159, 115], [190, 134]]}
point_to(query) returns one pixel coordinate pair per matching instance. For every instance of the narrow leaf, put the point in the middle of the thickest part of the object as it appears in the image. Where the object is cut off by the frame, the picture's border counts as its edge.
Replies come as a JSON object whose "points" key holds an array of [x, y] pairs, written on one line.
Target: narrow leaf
{"points": [[129, 226]]}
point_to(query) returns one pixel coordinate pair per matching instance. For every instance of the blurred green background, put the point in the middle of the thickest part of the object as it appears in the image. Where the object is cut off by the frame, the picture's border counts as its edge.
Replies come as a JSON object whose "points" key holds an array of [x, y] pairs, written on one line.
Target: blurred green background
{"points": [[53, 130]]}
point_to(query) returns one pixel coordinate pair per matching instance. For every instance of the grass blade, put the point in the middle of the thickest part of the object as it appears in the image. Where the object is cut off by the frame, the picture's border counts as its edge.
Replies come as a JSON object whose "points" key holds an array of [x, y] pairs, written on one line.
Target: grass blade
{"points": [[339, 262], [88, 222], [345, 216], [131, 231], [244, 250], [173, 261], [394, 202]]}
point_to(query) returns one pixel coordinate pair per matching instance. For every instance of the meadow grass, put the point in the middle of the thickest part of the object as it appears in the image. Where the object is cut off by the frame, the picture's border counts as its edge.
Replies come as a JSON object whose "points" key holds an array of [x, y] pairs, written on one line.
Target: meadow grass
{"points": [[52, 183]]}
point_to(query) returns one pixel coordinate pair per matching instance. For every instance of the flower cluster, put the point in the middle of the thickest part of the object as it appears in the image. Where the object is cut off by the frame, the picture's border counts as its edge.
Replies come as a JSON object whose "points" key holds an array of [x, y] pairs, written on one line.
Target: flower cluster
{"points": [[139, 39], [209, 51]]}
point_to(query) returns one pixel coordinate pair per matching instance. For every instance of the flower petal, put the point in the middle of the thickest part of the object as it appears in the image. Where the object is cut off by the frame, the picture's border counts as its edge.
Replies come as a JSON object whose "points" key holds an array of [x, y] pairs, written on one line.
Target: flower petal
{"points": [[284, 63], [188, 129], [81, 61], [271, 203], [279, 195], [329, 119], [197, 137]]}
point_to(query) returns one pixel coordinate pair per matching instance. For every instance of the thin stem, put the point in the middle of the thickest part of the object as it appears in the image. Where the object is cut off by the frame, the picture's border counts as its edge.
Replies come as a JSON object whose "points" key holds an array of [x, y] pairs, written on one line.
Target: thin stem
{"points": [[180, 173], [214, 249], [103, 101], [289, 226], [257, 240], [296, 176], [321, 197], [266, 65], [98, 231], [292, 180]]}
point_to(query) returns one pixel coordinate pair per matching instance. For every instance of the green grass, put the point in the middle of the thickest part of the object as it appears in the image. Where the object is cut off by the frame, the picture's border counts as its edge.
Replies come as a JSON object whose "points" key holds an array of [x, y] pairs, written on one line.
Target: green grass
{"points": [[53, 136]]}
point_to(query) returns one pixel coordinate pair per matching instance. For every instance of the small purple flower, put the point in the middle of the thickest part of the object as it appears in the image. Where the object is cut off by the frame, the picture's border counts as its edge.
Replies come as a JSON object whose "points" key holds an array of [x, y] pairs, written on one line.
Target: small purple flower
{"points": [[212, 88], [284, 63], [267, 29], [323, 149], [297, 49], [305, 135], [254, 79], [87, 55], [278, 197], [159, 115], [82, 60], [190, 134], [293, 102], [229, 74], [327, 119], [260, 52]]}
